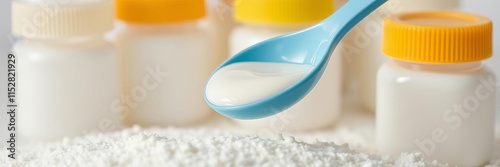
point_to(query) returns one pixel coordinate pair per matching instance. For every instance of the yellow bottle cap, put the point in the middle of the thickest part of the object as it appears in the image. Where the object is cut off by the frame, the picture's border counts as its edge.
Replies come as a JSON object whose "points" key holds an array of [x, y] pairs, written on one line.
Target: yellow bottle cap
{"points": [[282, 12], [439, 37], [159, 11]]}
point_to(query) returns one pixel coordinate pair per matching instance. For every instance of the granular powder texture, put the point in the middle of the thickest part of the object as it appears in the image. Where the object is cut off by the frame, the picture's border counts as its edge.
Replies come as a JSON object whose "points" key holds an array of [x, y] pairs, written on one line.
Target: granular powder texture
{"points": [[197, 147]]}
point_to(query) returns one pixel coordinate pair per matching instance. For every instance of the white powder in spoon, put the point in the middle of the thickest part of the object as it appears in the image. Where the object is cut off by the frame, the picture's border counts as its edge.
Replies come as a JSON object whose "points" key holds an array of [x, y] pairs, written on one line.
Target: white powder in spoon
{"points": [[197, 147]]}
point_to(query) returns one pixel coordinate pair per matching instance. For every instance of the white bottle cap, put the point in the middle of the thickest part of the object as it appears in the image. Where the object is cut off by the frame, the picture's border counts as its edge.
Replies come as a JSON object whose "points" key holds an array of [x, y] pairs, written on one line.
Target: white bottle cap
{"points": [[55, 20]]}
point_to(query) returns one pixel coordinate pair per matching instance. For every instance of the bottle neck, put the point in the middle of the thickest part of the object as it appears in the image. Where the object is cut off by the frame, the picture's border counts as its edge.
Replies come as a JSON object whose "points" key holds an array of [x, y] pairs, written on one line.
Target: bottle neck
{"points": [[411, 5], [456, 67], [73, 43], [72, 40], [278, 28]]}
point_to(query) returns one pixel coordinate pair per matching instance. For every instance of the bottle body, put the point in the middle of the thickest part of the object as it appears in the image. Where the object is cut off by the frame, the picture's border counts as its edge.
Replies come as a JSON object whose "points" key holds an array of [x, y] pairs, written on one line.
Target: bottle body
{"points": [[362, 45], [443, 111], [66, 88], [164, 69], [320, 108]]}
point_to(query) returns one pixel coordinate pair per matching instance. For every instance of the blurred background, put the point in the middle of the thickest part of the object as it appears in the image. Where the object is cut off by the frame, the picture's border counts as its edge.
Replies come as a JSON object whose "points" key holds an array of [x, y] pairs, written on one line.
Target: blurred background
{"points": [[488, 8]]}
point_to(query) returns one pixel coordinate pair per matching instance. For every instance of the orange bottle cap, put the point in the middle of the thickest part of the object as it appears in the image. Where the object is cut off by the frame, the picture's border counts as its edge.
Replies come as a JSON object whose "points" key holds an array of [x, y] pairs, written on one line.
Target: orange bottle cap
{"points": [[439, 37]]}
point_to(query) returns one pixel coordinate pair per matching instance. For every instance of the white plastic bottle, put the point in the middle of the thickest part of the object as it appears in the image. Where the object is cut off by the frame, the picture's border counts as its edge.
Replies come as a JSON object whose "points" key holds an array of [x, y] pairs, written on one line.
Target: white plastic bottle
{"points": [[166, 60], [435, 96], [262, 20], [361, 47], [68, 75]]}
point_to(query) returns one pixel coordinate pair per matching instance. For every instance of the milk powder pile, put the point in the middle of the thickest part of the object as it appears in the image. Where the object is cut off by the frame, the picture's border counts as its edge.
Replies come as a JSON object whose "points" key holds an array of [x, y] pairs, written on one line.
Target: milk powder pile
{"points": [[220, 143], [198, 147]]}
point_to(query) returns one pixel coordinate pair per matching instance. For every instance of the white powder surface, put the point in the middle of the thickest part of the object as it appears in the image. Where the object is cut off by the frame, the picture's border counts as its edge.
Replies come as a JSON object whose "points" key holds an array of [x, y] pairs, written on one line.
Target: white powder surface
{"points": [[198, 147], [218, 142]]}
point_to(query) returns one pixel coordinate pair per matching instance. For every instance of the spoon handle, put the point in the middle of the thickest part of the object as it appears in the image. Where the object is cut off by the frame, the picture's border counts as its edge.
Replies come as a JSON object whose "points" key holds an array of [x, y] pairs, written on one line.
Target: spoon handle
{"points": [[344, 19]]}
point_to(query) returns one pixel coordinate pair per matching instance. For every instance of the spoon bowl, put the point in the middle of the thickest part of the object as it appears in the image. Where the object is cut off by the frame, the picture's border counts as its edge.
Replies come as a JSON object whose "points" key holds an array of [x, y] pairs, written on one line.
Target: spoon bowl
{"points": [[312, 46]]}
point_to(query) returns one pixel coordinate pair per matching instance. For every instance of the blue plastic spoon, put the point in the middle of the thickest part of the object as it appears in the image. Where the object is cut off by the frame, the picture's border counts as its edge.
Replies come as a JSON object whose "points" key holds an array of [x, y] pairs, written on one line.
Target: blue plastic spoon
{"points": [[311, 46]]}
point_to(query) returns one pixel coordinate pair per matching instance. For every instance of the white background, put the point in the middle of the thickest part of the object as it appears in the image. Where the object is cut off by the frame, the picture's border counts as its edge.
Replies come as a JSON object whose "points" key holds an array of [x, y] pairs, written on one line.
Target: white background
{"points": [[489, 8]]}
